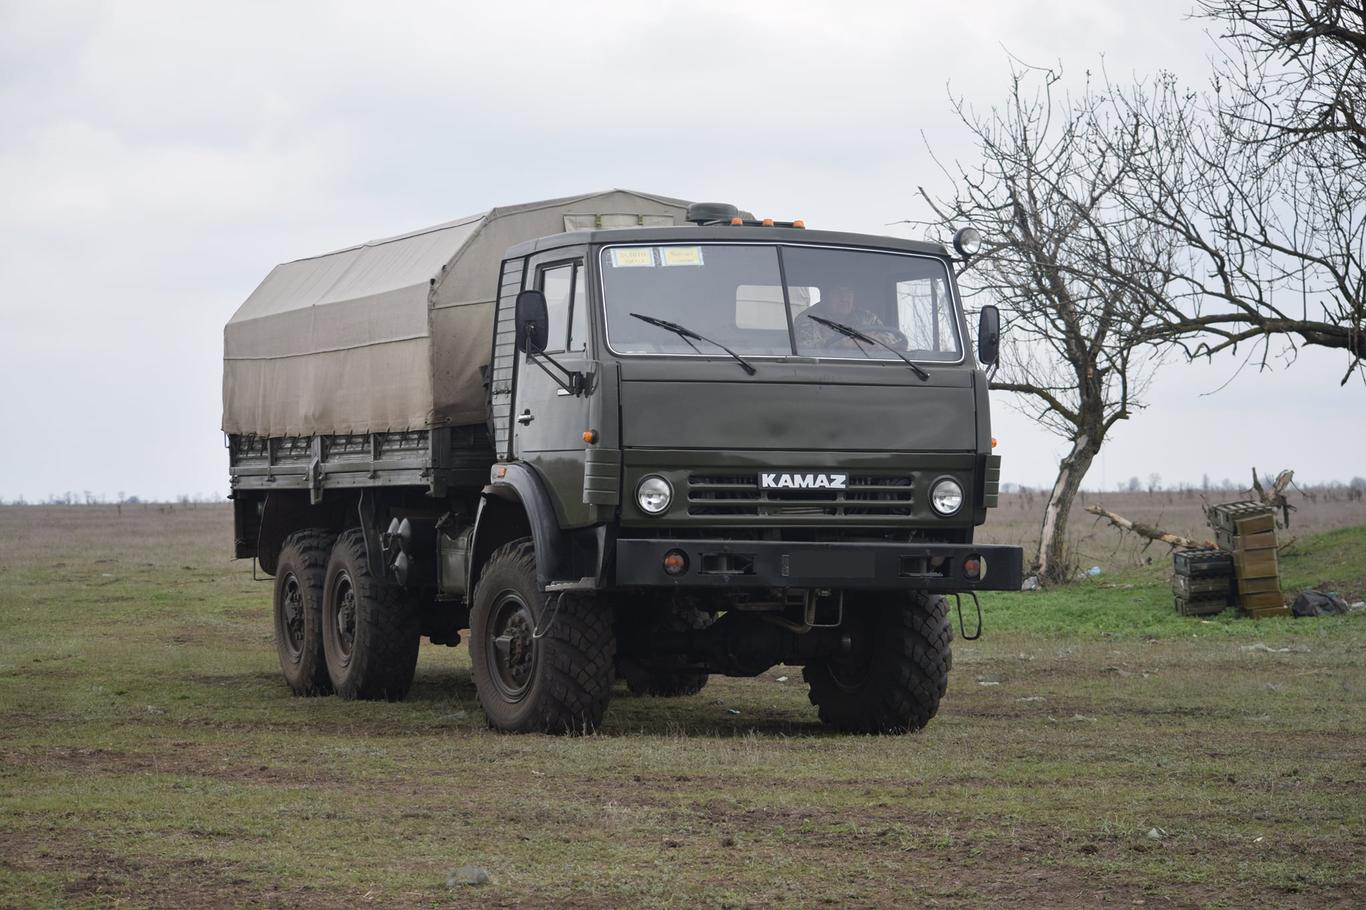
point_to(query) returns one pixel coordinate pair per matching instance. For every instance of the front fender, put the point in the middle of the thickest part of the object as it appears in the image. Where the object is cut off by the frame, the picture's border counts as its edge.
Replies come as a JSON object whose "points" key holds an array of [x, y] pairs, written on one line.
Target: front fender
{"points": [[517, 485]]}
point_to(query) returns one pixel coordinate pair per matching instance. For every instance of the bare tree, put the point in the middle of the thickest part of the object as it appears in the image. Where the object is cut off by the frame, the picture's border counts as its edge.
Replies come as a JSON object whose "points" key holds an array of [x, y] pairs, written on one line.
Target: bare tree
{"points": [[1298, 73], [1043, 195], [1260, 184]]}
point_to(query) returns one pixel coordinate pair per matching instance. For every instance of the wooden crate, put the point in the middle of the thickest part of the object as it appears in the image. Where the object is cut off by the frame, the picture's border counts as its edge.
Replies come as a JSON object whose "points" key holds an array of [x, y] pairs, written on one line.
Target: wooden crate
{"points": [[1202, 563], [1249, 564], [1203, 586], [1241, 518], [1243, 586], [1262, 601], [1207, 606], [1260, 606], [1259, 540]]}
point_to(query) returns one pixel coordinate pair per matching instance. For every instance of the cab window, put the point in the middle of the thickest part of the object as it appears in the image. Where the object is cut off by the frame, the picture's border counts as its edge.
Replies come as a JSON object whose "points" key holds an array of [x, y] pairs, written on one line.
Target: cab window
{"points": [[557, 283], [578, 309]]}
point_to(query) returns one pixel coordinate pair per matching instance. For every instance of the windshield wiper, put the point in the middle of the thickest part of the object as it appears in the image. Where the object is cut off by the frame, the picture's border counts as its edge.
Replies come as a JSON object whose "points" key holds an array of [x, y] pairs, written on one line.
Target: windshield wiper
{"points": [[855, 334], [688, 335]]}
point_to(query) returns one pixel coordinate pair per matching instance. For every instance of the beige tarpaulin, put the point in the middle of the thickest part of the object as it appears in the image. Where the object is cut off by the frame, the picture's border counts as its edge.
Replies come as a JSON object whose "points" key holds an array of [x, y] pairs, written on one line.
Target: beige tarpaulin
{"points": [[391, 334]]}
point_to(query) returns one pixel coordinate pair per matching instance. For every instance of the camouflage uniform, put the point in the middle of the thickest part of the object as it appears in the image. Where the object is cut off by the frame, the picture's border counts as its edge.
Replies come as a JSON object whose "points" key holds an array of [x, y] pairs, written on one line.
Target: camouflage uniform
{"points": [[811, 335]]}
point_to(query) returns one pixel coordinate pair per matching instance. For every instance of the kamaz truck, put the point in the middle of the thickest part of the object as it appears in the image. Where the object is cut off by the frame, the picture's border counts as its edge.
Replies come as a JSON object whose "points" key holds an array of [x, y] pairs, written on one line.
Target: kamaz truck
{"points": [[618, 437]]}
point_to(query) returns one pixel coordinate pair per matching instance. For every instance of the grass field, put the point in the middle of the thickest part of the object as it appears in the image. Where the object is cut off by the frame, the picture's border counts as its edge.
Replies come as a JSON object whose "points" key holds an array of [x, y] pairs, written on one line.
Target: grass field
{"points": [[151, 757]]}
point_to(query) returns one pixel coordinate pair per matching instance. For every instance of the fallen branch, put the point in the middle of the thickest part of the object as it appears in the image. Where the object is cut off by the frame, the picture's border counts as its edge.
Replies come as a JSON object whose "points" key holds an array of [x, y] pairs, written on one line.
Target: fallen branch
{"points": [[1172, 540], [1274, 495]]}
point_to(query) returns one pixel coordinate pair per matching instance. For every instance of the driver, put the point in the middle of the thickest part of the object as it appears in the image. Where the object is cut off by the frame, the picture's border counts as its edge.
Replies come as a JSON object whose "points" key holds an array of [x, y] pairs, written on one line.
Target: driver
{"points": [[841, 307]]}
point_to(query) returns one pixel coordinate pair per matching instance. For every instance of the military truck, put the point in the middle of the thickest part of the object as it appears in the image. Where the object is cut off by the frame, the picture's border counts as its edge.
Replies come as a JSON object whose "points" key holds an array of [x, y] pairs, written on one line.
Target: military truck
{"points": [[617, 437]]}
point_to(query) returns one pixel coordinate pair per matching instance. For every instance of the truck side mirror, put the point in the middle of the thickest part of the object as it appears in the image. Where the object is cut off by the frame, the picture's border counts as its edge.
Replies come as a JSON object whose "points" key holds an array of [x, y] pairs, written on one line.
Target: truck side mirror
{"points": [[533, 322], [988, 335]]}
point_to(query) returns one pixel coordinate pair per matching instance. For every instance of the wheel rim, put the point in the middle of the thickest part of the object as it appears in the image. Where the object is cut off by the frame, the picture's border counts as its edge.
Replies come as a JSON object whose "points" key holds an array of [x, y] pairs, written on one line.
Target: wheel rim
{"points": [[510, 646], [344, 614], [292, 614]]}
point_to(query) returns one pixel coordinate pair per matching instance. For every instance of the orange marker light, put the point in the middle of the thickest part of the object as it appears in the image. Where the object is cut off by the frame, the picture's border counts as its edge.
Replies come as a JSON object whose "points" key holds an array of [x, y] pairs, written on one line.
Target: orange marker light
{"points": [[768, 222], [675, 562], [737, 220], [799, 223], [590, 436], [502, 472], [993, 442]]}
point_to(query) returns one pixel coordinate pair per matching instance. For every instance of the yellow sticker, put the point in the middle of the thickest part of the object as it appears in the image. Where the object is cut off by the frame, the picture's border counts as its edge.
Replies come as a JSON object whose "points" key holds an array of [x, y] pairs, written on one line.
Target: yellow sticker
{"points": [[633, 257], [681, 255]]}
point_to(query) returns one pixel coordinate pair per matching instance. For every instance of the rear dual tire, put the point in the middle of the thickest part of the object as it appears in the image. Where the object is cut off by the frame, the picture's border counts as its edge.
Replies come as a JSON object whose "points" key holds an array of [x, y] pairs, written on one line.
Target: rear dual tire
{"points": [[299, 578], [370, 630]]}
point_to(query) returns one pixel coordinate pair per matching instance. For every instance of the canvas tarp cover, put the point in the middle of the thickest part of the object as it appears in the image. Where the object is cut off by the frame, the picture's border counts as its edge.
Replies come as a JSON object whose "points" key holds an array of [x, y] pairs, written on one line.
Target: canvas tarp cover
{"points": [[391, 335]]}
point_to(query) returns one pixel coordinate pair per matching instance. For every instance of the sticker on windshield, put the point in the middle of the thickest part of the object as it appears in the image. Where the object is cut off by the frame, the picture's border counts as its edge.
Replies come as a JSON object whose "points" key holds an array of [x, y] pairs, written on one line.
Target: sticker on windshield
{"points": [[633, 257], [681, 255]]}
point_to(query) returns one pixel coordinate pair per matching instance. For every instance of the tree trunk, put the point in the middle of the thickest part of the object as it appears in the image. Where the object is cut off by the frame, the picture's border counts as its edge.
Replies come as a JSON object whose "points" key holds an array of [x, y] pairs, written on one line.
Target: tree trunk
{"points": [[1051, 562]]}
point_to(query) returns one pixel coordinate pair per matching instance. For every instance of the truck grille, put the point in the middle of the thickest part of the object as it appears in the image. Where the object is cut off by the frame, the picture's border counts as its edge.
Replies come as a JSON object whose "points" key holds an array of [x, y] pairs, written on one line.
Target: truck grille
{"points": [[740, 494]]}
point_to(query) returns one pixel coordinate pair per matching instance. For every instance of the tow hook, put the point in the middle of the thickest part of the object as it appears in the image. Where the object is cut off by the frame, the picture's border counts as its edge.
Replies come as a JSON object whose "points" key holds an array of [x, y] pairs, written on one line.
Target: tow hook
{"points": [[977, 633]]}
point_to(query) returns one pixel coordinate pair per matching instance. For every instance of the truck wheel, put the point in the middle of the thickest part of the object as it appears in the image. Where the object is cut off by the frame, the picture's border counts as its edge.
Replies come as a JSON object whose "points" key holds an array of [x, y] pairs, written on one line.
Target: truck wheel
{"points": [[370, 630], [559, 682], [299, 575], [896, 672], [661, 683]]}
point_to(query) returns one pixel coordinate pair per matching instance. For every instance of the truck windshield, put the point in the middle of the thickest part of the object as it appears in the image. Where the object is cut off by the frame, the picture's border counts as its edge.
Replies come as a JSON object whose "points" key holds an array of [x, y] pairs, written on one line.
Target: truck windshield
{"points": [[735, 294]]}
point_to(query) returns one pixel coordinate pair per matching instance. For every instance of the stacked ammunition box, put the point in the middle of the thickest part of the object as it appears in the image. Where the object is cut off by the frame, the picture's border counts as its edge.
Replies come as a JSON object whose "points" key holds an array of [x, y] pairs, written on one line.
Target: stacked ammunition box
{"points": [[1248, 531], [1203, 583]]}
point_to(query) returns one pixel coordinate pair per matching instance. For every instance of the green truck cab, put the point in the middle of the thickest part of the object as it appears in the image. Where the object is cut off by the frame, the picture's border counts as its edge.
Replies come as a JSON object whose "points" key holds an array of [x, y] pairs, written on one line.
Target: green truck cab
{"points": [[708, 445]]}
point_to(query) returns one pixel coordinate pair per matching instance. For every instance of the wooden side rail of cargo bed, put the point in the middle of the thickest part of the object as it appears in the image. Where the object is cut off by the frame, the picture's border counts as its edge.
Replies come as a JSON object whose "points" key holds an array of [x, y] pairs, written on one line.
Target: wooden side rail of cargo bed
{"points": [[438, 459]]}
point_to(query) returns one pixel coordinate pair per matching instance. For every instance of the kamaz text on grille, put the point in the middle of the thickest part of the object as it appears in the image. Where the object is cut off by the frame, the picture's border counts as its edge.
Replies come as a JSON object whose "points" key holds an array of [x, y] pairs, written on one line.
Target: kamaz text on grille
{"points": [[776, 481]]}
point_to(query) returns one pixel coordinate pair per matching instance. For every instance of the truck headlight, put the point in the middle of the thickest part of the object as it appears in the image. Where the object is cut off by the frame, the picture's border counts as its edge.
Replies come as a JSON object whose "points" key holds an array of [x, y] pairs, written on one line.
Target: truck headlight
{"points": [[946, 496], [654, 495]]}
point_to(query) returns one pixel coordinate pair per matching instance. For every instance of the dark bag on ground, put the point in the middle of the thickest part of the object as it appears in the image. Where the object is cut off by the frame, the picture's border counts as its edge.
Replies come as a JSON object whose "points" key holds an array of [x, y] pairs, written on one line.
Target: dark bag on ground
{"points": [[1317, 603]]}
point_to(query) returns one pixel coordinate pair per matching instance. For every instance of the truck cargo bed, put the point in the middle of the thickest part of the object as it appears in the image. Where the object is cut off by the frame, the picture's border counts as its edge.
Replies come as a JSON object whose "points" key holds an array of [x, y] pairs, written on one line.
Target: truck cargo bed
{"points": [[439, 460]]}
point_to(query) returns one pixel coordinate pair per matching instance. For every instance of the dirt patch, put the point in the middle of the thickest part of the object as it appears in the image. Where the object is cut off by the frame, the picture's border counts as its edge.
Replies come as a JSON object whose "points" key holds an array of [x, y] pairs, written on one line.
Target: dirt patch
{"points": [[176, 759], [104, 877]]}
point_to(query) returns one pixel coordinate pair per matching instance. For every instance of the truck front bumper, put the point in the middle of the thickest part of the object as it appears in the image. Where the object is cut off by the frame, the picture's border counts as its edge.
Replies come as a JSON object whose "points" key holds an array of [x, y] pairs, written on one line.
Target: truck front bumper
{"points": [[941, 567]]}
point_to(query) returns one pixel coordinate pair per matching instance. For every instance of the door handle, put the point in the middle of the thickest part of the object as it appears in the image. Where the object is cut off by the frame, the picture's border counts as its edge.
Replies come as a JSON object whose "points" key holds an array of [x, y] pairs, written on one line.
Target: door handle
{"points": [[525, 418]]}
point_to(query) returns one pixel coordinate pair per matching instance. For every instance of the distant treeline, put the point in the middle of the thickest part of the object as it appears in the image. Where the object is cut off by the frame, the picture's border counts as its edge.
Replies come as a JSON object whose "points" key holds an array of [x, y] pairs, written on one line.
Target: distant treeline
{"points": [[87, 498], [1354, 488]]}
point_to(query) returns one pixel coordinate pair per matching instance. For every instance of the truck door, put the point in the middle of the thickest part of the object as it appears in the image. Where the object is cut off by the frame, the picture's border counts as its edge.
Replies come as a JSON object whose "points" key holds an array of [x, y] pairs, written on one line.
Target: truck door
{"points": [[548, 422]]}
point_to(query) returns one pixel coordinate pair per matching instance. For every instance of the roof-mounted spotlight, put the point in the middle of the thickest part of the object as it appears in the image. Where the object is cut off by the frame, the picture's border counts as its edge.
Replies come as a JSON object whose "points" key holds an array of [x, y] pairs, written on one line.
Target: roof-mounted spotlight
{"points": [[968, 242]]}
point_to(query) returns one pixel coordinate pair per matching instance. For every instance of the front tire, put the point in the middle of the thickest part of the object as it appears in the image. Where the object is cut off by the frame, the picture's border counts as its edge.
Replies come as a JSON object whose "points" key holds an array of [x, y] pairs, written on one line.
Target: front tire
{"points": [[299, 576], [897, 671], [371, 631], [538, 667]]}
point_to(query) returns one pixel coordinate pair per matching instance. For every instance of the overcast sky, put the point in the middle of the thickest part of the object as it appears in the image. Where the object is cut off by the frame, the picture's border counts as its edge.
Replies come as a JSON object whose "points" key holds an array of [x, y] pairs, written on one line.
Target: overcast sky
{"points": [[157, 159]]}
